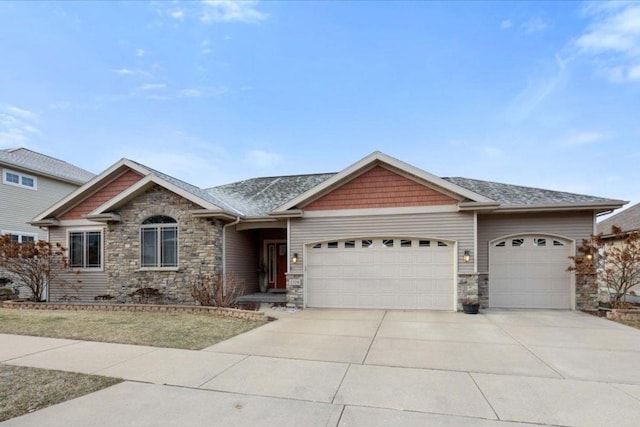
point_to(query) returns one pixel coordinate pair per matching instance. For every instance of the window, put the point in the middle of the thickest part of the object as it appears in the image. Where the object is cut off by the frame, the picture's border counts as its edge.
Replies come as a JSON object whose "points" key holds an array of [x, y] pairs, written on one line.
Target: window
{"points": [[349, 244], [332, 245], [539, 241], [159, 242], [424, 243], [367, 243], [501, 244], [85, 249], [405, 243], [557, 243], [19, 179], [517, 242], [387, 243], [317, 246], [20, 237], [442, 244]]}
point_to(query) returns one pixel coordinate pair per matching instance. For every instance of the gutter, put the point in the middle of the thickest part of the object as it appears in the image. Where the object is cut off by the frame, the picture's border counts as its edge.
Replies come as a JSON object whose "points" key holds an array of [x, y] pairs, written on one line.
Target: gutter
{"points": [[224, 254]]}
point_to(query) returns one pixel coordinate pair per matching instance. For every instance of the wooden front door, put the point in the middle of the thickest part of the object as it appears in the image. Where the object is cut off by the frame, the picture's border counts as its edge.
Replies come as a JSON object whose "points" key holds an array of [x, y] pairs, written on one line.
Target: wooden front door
{"points": [[276, 265]]}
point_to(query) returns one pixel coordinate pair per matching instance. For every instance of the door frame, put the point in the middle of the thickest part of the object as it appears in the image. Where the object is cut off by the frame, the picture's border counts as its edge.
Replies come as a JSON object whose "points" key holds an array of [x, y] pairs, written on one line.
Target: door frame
{"points": [[454, 265], [572, 251], [265, 260]]}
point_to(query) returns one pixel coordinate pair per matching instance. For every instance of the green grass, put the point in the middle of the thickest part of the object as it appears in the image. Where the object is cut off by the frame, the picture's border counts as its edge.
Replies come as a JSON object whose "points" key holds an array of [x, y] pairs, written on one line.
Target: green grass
{"points": [[25, 390], [175, 330]]}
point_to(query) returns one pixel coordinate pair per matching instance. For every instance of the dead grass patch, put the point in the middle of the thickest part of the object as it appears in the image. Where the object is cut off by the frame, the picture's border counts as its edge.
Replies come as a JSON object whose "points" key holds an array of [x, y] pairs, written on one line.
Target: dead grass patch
{"points": [[175, 330], [25, 390]]}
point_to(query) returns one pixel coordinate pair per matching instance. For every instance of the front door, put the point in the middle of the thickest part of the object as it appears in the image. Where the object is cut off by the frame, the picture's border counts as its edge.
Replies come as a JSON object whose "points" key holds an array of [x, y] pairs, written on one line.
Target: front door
{"points": [[276, 265]]}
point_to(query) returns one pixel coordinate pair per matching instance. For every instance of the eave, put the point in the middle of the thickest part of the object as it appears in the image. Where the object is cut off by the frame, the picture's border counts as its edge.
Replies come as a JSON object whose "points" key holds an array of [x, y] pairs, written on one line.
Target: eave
{"points": [[49, 222], [105, 217], [598, 207]]}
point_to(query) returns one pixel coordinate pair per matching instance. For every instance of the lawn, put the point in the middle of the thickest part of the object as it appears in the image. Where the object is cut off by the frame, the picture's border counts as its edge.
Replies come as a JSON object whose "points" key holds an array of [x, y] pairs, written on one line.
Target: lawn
{"points": [[175, 330], [25, 390]]}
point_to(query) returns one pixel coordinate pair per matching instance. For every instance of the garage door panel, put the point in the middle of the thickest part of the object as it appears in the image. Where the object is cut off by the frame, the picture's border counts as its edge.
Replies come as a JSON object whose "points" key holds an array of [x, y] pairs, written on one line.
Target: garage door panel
{"points": [[402, 274], [529, 274]]}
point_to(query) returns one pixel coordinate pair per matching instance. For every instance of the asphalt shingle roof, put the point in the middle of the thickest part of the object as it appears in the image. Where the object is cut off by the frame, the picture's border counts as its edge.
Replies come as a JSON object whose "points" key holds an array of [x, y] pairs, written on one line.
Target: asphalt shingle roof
{"points": [[259, 196], [31, 161], [517, 195], [627, 220]]}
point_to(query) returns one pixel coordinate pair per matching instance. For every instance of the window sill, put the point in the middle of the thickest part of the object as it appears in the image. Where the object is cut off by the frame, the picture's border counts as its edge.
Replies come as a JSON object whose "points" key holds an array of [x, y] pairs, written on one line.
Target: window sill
{"points": [[159, 269]]}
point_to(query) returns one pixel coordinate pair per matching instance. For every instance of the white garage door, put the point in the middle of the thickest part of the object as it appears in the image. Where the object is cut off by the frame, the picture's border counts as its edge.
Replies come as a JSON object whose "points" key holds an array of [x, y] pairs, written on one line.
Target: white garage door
{"points": [[380, 273], [529, 271]]}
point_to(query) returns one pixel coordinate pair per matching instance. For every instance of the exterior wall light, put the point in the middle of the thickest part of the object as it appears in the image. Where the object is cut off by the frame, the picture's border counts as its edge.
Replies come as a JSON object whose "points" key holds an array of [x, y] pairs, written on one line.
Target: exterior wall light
{"points": [[467, 255], [589, 257], [294, 258]]}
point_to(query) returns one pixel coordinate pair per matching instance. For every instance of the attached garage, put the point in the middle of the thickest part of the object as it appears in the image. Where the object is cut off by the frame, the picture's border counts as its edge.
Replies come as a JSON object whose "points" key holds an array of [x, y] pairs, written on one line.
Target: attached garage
{"points": [[530, 271], [381, 272]]}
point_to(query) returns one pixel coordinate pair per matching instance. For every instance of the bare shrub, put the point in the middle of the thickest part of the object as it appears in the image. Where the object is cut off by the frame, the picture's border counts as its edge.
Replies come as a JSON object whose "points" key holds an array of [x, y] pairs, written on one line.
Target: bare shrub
{"points": [[213, 292], [147, 295], [34, 264]]}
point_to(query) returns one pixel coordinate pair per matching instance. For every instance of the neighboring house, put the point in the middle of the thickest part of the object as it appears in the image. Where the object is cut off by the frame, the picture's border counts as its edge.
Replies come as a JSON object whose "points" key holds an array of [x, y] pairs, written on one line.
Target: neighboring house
{"points": [[379, 234], [31, 183], [629, 222]]}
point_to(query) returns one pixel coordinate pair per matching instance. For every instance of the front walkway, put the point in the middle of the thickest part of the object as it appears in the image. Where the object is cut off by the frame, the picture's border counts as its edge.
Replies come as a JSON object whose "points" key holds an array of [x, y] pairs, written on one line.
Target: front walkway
{"points": [[360, 367]]}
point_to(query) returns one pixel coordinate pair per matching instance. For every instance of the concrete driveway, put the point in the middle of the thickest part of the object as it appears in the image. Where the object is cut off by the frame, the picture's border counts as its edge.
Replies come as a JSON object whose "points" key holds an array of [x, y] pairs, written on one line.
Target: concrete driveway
{"points": [[362, 367]]}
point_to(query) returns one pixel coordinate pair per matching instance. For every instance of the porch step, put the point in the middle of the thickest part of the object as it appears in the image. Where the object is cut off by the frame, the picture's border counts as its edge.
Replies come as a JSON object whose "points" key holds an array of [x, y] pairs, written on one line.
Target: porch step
{"points": [[264, 297]]}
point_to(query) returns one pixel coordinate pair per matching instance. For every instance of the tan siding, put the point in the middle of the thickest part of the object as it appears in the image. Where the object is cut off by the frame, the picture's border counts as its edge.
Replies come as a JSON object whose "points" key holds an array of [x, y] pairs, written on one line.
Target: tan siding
{"points": [[242, 257], [89, 283], [19, 205], [576, 226], [447, 226], [380, 188]]}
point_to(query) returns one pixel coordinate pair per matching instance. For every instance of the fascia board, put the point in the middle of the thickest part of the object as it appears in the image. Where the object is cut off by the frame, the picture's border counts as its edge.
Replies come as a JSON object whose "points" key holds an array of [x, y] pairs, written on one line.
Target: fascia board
{"points": [[87, 188]]}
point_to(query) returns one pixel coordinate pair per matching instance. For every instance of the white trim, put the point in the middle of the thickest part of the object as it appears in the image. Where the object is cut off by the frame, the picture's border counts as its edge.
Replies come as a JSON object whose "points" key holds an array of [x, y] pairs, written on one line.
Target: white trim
{"points": [[260, 225], [79, 223], [20, 175], [475, 242], [572, 251], [370, 161], [380, 211], [456, 274], [289, 252], [68, 231], [20, 234]]}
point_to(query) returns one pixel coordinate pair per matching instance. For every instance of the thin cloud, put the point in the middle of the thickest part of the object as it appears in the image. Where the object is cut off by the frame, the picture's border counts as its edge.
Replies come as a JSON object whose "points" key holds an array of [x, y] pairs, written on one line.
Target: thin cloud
{"points": [[141, 52], [16, 126], [539, 89], [578, 139], [535, 25], [612, 39], [177, 14], [506, 24], [205, 47], [231, 11], [262, 159], [152, 86], [124, 71]]}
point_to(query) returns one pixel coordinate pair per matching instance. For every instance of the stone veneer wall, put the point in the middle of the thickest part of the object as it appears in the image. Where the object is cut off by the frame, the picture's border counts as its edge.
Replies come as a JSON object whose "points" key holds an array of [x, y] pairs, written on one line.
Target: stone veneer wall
{"points": [[586, 292], [295, 290], [467, 288], [199, 248]]}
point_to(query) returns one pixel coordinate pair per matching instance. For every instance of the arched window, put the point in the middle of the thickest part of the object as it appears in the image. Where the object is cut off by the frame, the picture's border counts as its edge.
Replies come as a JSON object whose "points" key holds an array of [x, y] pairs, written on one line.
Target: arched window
{"points": [[159, 242]]}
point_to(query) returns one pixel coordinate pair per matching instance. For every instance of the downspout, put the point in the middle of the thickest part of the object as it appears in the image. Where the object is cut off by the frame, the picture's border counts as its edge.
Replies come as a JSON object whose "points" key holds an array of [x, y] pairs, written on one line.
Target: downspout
{"points": [[224, 254]]}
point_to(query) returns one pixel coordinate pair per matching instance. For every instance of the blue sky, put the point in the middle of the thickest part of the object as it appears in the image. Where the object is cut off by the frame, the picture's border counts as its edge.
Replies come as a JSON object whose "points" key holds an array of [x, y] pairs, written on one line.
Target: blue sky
{"points": [[544, 94]]}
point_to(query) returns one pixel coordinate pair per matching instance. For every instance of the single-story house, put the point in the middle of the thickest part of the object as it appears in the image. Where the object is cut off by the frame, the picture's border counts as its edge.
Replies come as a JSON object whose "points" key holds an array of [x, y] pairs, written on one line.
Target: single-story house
{"points": [[379, 234], [629, 222]]}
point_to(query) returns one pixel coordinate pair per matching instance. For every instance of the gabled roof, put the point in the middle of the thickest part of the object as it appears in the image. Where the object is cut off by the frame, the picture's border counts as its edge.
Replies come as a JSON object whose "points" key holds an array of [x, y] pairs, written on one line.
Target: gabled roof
{"points": [[519, 197], [209, 203], [627, 220], [40, 164], [379, 158]]}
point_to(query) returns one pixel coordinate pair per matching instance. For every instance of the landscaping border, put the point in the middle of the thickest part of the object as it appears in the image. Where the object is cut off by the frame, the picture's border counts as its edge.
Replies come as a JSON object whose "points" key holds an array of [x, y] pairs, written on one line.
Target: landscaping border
{"points": [[620, 314], [149, 308]]}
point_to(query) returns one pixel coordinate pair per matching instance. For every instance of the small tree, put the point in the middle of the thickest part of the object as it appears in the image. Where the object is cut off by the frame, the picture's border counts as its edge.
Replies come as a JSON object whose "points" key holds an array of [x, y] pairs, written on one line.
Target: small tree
{"points": [[615, 263], [34, 264]]}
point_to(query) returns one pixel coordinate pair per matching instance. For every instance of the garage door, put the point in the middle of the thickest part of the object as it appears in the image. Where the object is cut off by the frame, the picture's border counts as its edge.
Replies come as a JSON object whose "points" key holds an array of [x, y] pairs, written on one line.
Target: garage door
{"points": [[529, 271], [380, 273]]}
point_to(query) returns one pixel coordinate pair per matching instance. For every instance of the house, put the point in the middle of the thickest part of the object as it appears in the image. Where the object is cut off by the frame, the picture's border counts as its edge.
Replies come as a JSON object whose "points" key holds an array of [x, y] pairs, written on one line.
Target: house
{"points": [[32, 182], [629, 222], [379, 234]]}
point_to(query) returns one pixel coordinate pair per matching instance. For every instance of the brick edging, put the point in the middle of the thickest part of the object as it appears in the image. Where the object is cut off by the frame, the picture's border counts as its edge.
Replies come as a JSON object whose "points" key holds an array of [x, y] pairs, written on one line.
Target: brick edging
{"points": [[150, 308]]}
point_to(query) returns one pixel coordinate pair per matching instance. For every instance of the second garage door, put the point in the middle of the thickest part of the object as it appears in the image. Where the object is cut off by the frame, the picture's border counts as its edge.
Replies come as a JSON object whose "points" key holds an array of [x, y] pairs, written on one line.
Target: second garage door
{"points": [[380, 273], [529, 271]]}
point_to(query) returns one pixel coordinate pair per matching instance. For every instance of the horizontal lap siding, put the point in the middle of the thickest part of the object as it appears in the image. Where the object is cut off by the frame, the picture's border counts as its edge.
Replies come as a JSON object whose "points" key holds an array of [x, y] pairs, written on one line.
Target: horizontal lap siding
{"points": [[89, 283], [447, 226], [242, 258], [574, 225]]}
